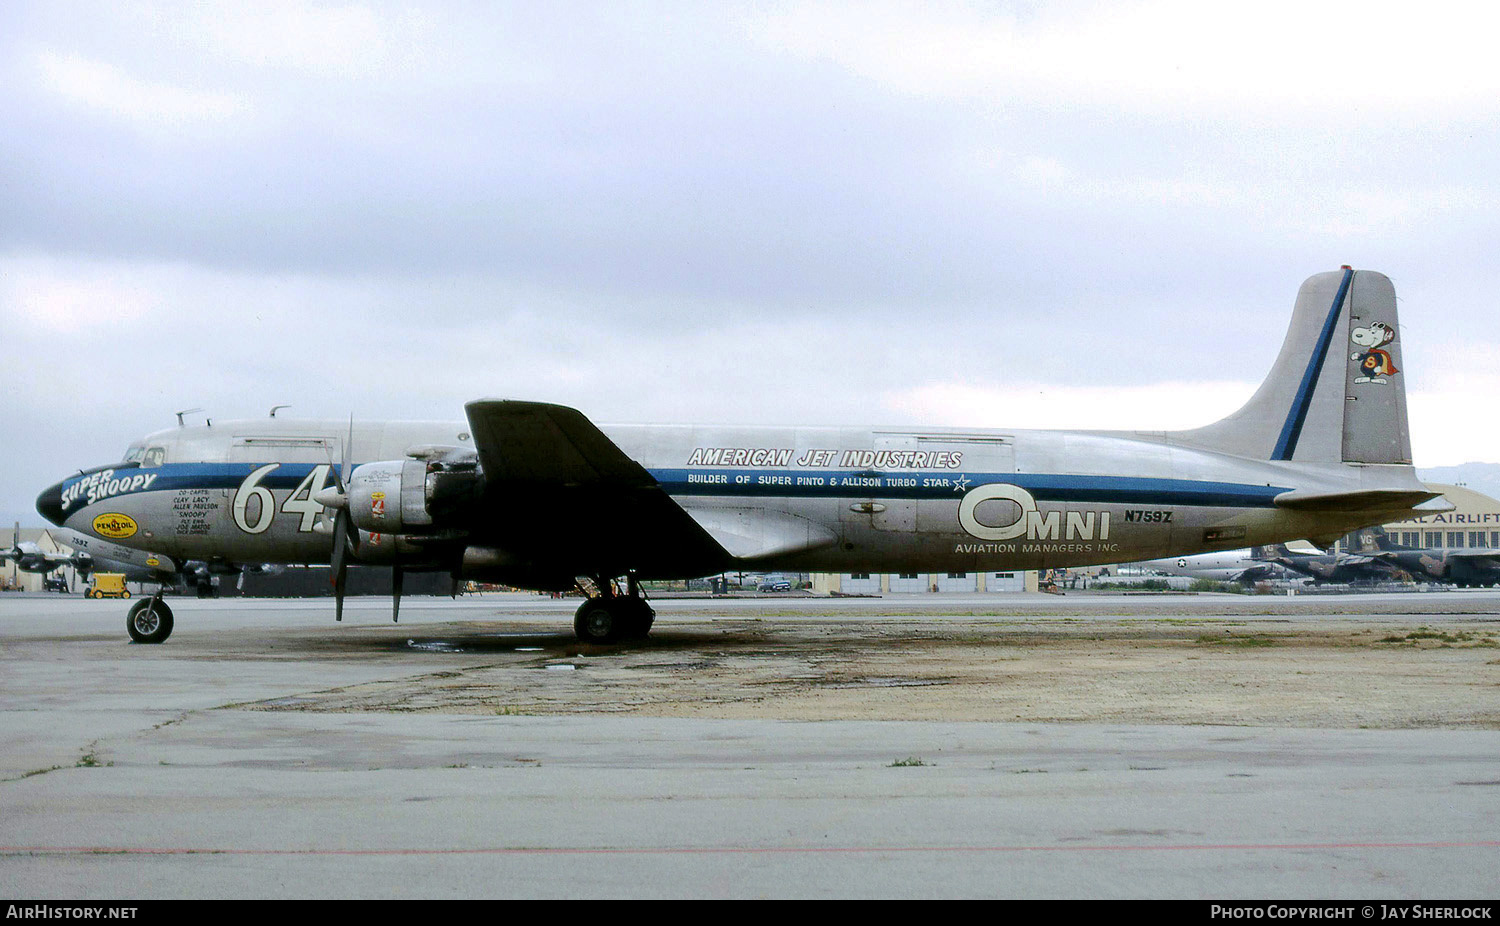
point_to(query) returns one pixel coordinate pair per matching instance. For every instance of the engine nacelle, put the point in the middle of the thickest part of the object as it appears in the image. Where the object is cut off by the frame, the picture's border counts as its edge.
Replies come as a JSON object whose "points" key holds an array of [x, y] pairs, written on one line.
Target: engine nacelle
{"points": [[402, 550], [390, 497], [410, 496]]}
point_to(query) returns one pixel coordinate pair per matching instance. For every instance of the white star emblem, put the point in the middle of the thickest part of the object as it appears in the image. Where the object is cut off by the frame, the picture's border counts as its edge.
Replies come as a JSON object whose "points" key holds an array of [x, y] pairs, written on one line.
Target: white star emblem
{"points": [[961, 483]]}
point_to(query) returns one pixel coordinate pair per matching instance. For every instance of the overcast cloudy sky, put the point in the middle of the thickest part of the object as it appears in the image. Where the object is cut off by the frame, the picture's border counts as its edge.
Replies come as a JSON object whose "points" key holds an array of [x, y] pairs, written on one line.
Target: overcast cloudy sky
{"points": [[1008, 214]]}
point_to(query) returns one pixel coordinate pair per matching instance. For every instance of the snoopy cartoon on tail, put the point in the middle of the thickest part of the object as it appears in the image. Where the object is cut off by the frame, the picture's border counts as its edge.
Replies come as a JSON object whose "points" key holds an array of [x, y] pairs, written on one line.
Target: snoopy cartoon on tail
{"points": [[1374, 364]]}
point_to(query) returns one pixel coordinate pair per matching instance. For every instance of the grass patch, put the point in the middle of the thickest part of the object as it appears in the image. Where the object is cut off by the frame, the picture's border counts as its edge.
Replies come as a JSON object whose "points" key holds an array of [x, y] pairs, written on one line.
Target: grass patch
{"points": [[1241, 642], [34, 772], [908, 762], [1459, 638]]}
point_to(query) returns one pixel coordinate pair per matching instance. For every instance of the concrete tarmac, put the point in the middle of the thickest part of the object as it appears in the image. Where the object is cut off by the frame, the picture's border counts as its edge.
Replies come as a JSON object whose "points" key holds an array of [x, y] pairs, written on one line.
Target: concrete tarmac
{"points": [[209, 767]]}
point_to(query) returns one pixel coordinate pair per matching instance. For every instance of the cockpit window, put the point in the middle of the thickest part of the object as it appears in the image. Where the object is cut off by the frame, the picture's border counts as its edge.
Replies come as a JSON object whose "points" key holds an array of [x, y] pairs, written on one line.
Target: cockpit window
{"points": [[134, 452], [156, 456]]}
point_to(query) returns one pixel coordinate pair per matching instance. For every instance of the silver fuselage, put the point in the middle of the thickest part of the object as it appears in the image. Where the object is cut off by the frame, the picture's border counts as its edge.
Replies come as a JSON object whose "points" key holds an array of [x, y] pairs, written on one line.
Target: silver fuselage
{"points": [[872, 499]]}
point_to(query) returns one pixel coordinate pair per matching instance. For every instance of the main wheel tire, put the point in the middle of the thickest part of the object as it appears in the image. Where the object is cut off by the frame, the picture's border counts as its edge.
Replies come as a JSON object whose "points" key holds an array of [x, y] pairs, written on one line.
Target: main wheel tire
{"points": [[149, 621], [597, 621], [639, 617]]}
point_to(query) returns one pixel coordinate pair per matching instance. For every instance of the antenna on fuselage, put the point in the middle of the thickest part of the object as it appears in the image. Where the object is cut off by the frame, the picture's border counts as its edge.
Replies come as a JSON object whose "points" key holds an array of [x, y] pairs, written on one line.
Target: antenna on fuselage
{"points": [[185, 411], [276, 408]]}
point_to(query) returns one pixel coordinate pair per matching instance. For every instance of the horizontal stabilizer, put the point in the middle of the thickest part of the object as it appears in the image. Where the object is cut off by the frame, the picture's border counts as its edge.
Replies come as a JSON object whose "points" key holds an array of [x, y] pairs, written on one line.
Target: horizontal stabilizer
{"points": [[1369, 499], [752, 533]]}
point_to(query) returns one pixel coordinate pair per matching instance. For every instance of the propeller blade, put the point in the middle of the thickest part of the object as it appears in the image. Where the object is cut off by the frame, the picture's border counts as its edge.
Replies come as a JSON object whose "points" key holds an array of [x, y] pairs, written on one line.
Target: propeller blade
{"points": [[398, 578], [339, 562], [345, 534], [344, 465]]}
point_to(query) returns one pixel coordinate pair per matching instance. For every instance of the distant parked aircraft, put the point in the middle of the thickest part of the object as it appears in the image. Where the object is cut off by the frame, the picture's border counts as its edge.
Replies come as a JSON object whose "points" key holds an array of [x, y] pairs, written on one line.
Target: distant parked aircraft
{"points": [[1229, 566], [1465, 567], [1342, 568]]}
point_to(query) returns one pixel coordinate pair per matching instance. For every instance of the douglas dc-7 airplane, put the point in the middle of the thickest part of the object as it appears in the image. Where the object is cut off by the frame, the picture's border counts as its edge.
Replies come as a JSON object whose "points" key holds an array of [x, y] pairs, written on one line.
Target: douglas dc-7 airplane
{"points": [[536, 496]]}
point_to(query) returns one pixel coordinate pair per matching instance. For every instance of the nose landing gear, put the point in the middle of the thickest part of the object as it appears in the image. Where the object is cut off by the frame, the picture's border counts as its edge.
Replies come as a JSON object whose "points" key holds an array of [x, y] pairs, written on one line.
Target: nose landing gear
{"points": [[150, 620]]}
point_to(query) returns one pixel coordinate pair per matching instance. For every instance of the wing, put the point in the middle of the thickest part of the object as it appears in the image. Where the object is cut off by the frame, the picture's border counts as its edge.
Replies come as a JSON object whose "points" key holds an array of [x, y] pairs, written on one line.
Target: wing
{"points": [[33, 560], [552, 445], [754, 533], [1259, 573], [562, 499], [1476, 555]]}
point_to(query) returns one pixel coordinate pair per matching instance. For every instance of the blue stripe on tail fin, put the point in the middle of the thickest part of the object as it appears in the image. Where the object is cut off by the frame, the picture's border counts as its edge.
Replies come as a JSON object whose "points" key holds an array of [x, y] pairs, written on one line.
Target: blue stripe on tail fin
{"points": [[1291, 430]]}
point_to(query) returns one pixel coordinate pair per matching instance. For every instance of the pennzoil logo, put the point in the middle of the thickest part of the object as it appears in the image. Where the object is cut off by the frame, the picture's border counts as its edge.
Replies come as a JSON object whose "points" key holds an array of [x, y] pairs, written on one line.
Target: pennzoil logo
{"points": [[377, 504], [115, 526]]}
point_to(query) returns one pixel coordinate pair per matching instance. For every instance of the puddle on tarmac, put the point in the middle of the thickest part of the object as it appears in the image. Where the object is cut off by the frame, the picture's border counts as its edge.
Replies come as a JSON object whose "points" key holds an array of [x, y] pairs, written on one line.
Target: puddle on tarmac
{"points": [[435, 646]]}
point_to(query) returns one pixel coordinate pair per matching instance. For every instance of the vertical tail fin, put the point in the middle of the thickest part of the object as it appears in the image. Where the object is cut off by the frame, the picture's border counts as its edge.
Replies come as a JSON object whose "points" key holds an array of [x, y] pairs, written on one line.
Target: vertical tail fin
{"points": [[1337, 391]]}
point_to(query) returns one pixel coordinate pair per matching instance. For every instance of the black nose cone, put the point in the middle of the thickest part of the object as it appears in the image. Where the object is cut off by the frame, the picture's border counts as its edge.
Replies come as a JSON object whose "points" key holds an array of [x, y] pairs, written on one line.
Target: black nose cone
{"points": [[49, 505]]}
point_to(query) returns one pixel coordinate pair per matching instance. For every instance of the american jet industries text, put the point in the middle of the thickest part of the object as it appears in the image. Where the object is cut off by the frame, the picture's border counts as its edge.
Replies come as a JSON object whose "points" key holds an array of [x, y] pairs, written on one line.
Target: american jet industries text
{"points": [[859, 459]]}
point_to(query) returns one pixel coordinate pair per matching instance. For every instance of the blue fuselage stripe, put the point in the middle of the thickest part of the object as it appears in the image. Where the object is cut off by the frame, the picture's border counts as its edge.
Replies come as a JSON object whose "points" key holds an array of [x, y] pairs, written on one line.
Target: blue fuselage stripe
{"points": [[949, 484], [784, 483], [1296, 416]]}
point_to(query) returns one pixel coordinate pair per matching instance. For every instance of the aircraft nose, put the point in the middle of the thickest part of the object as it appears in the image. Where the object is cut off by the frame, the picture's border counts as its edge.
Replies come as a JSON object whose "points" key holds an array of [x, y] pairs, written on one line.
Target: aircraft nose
{"points": [[50, 505]]}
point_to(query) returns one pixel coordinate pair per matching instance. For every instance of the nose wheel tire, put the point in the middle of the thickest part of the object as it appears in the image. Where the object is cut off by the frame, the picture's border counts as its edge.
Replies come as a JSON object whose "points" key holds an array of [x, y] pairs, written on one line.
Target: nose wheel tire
{"points": [[149, 621]]}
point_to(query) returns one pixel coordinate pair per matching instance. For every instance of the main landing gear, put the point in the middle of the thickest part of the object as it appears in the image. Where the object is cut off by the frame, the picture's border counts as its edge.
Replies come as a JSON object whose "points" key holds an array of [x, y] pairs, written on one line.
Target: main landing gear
{"points": [[609, 617], [150, 620]]}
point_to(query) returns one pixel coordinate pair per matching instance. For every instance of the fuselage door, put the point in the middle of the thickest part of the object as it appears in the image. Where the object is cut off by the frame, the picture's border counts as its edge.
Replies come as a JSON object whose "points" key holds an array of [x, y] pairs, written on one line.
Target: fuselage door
{"points": [[963, 461], [284, 449], [893, 506], [922, 477]]}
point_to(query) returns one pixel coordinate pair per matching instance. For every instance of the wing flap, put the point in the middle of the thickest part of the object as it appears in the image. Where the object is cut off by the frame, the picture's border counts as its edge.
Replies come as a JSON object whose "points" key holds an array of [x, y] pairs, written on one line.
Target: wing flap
{"points": [[755, 533]]}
